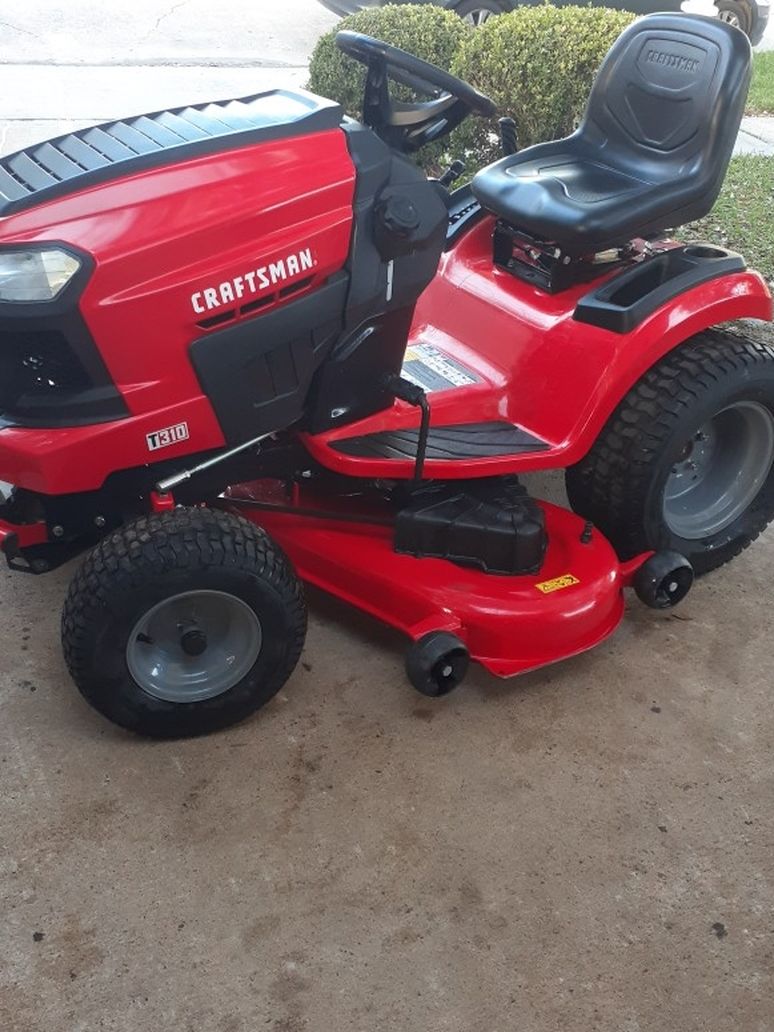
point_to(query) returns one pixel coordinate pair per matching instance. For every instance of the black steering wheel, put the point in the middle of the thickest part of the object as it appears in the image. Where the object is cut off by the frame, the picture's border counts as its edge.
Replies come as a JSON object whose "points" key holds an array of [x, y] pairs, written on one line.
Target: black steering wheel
{"points": [[407, 127]]}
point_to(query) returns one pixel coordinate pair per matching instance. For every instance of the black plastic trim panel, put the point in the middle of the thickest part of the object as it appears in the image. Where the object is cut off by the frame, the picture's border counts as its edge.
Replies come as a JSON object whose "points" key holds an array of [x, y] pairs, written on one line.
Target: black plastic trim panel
{"points": [[464, 212], [354, 382], [626, 300], [59, 321], [114, 149], [256, 373], [463, 441]]}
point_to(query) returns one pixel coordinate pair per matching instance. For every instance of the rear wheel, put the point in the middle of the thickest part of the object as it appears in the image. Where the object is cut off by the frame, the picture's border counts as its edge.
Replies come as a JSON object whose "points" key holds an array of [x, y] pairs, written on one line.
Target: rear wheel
{"points": [[476, 12], [686, 462], [182, 623]]}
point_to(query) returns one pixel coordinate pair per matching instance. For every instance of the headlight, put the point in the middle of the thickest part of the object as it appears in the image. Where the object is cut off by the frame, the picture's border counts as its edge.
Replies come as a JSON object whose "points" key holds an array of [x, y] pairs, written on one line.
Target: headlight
{"points": [[35, 275]]}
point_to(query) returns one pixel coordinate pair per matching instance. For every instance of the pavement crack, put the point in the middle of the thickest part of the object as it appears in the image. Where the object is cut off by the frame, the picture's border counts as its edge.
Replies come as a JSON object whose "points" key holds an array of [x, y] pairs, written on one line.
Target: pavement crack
{"points": [[162, 17], [20, 30], [169, 13]]}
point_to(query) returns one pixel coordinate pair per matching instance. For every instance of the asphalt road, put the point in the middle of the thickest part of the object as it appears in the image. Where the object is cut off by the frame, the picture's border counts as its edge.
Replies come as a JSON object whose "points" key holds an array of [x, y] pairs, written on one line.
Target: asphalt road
{"points": [[585, 849]]}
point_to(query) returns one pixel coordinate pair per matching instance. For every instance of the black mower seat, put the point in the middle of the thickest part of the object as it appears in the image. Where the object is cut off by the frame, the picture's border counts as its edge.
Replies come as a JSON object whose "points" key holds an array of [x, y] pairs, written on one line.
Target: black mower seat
{"points": [[652, 150]]}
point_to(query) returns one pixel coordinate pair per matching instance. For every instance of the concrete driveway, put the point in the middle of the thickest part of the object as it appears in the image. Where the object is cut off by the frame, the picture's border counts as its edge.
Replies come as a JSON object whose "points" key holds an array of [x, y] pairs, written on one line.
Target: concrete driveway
{"points": [[63, 65], [588, 848]]}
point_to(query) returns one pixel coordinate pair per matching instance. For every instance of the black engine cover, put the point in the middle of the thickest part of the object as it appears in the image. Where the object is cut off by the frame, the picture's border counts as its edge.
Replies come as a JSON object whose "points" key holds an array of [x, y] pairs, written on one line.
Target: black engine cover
{"points": [[492, 525]]}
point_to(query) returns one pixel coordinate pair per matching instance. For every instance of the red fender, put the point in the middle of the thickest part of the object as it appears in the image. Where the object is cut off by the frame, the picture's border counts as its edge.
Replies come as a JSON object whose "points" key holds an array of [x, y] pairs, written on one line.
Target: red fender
{"points": [[529, 362]]}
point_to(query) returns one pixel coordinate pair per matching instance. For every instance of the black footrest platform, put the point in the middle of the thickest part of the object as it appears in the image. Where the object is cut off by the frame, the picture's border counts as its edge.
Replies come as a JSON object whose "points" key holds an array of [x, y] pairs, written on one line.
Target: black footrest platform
{"points": [[463, 441]]}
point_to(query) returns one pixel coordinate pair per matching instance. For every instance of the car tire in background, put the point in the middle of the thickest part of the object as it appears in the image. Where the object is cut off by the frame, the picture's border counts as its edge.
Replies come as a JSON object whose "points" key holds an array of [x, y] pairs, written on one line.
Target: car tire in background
{"points": [[736, 13], [476, 12]]}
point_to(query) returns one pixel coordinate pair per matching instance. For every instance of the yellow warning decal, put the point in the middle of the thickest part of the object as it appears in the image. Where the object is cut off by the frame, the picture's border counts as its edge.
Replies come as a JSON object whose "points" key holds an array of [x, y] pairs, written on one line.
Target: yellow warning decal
{"points": [[565, 581]]}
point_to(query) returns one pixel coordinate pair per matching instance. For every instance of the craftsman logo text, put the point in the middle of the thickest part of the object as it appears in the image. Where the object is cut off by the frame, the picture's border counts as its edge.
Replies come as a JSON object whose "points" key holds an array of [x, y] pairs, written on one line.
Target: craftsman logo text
{"points": [[253, 282], [676, 61]]}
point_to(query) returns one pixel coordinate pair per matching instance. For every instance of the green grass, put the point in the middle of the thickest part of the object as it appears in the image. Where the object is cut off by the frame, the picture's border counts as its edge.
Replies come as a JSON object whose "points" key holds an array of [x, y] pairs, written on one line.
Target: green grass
{"points": [[761, 98], [743, 218]]}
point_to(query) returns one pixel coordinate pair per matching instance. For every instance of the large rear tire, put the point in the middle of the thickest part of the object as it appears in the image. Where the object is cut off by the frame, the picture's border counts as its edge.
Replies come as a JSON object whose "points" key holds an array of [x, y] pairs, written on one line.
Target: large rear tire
{"points": [[182, 623], [686, 462]]}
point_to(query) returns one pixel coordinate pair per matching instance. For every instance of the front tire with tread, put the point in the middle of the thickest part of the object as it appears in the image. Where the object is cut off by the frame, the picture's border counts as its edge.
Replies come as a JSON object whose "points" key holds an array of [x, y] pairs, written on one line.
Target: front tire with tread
{"points": [[158, 557]]}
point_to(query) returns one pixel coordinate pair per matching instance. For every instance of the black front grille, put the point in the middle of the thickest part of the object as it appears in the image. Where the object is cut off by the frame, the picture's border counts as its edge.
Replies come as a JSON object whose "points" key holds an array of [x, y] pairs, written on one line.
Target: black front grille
{"points": [[37, 369], [52, 375]]}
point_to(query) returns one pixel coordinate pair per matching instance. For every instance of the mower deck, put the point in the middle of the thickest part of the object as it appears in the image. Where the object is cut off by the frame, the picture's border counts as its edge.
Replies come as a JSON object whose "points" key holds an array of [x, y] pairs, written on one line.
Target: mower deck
{"points": [[510, 624]]}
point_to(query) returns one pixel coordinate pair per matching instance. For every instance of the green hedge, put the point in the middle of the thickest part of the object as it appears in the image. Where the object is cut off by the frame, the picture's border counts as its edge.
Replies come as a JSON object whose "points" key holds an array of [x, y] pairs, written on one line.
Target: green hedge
{"points": [[538, 65], [428, 32]]}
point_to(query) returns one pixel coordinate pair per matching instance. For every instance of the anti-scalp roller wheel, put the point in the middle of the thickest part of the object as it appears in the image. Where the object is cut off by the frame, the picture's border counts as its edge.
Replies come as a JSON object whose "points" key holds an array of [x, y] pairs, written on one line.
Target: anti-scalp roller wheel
{"points": [[437, 663], [664, 580]]}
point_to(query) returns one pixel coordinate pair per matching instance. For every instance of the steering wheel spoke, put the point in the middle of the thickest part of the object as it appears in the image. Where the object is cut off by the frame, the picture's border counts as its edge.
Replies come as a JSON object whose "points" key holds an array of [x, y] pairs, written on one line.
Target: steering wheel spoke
{"points": [[410, 126], [377, 103]]}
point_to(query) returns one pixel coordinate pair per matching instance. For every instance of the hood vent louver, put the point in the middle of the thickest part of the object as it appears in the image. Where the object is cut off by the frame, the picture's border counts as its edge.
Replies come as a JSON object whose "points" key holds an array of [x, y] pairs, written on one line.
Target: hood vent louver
{"points": [[108, 152]]}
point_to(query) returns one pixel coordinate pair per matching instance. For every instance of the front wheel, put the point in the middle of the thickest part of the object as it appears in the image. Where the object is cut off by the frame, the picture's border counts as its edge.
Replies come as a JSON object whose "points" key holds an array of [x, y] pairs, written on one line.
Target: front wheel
{"points": [[182, 623], [686, 462]]}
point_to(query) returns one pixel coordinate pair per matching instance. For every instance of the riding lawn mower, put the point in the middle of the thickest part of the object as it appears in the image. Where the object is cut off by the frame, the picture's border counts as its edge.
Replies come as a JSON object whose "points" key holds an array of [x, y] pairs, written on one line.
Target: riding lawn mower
{"points": [[249, 343]]}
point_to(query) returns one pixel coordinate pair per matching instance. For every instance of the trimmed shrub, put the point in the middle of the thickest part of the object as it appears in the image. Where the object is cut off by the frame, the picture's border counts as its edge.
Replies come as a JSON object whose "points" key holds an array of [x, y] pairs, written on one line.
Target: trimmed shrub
{"points": [[538, 65], [428, 32]]}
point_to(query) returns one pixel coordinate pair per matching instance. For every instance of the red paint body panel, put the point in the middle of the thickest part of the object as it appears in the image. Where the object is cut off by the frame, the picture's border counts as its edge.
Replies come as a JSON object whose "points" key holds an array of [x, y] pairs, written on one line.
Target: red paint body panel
{"points": [[160, 236], [508, 624], [537, 367], [157, 238], [26, 534]]}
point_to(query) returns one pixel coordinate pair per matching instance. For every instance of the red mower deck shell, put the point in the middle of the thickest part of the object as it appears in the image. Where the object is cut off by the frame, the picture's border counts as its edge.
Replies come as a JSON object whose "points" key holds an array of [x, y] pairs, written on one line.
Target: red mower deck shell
{"points": [[157, 238], [535, 366], [510, 624]]}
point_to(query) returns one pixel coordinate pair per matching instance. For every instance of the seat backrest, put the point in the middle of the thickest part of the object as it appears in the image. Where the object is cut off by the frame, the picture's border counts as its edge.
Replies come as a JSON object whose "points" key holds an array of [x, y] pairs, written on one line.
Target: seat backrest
{"points": [[669, 98]]}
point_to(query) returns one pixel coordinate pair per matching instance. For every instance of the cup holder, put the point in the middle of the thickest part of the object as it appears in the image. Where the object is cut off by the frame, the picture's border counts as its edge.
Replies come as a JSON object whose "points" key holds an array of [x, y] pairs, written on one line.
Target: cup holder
{"points": [[704, 251], [626, 299]]}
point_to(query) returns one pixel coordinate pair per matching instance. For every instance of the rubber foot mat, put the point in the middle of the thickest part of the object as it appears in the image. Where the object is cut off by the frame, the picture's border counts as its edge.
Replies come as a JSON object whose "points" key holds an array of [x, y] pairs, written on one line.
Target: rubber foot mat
{"points": [[463, 441]]}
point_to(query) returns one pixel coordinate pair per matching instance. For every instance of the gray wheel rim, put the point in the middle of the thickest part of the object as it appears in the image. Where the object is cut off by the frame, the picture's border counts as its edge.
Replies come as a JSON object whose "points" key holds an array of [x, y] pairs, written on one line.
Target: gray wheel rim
{"points": [[730, 18], [720, 472], [194, 646], [478, 17]]}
